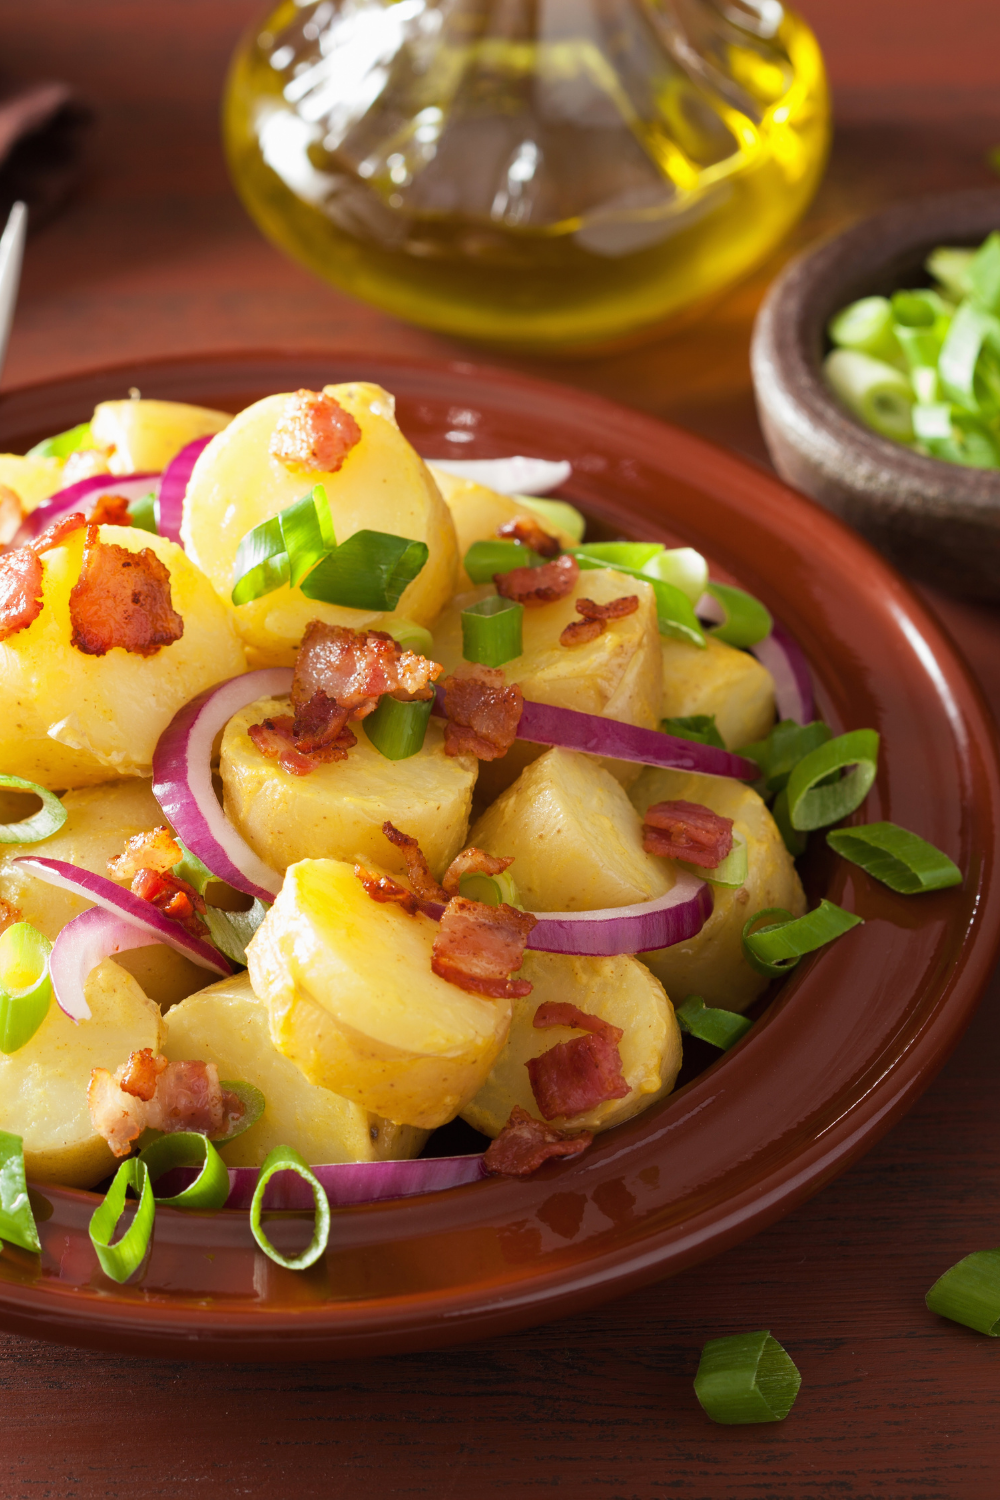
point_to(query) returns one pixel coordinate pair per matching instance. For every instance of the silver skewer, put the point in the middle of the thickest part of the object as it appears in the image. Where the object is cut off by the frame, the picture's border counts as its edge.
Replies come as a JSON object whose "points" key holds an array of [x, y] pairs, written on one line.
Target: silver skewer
{"points": [[11, 254]]}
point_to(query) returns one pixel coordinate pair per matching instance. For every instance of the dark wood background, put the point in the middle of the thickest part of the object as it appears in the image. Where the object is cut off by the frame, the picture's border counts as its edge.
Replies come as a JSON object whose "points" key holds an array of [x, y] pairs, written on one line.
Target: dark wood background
{"points": [[155, 256]]}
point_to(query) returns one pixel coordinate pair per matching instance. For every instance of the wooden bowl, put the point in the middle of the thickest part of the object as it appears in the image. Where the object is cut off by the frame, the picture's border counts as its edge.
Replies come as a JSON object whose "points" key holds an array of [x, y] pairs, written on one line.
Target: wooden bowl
{"points": [[937, 521]]}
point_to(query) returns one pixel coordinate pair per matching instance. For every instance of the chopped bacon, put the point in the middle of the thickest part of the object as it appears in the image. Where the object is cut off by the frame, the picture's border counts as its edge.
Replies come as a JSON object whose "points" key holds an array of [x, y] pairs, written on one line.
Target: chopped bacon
{"points": [[686, 830], [173, 897], [122, 598], [111, 510], [57, 533], [276, 738], [483, 712], [525, 1143], [527, 531], [596, 617], [10, 514], [314, 433], [384, 889], [157, 850], [579, 632], [530, 586], [148, 1092], [321, 723], [473, 861], [9, 915], [417, 868], [355, 667], [20, 590], [574, 1076], [477, 947]]}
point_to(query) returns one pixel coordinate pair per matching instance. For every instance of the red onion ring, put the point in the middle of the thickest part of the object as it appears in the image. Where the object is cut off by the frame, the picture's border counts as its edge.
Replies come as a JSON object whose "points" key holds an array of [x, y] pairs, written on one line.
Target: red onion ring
{"points": [[544, 724], [126, 906], [346, 1183], [75, 497], [81, 945], [508, 476], [173, 488], [182, 780], [782, 655]]}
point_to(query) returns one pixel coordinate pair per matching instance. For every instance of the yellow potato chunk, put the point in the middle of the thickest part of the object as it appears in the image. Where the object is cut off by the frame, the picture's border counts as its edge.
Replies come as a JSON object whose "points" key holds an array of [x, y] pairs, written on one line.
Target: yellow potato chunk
{"points": [[711, 964], [70, 720], [721, 681], [619, 990], [477, 513], [43, 1086], [337, 811], [140, 436], [227, 1025], [383, 486], [99, 820], [354, 1002], [574, 835], [32, 479]]}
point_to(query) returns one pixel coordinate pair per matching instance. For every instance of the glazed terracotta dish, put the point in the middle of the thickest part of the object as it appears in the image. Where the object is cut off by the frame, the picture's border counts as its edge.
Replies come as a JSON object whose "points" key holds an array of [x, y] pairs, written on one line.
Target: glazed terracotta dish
{"points": [[836, 1052]]}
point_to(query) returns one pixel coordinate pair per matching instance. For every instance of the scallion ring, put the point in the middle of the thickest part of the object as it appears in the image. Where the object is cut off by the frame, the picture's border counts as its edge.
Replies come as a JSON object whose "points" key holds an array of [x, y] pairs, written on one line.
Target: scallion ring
{"points": [[746, 1378], [397, 729], [495, 555], [876, 392], [411, 636], [370, 570], [558, 512], [721, 1028], [491, 631], [730, 872], [701, 729], [307, 532], [25, 986], [187, 1148], [747, 621], [811, 804], [287, 1159], [491, 890], [776, 948], [17, 1222], [42, 824], [969, 1292], [120, 1260], [898, 858], [261, 562], [787, 744], [142, 513]]}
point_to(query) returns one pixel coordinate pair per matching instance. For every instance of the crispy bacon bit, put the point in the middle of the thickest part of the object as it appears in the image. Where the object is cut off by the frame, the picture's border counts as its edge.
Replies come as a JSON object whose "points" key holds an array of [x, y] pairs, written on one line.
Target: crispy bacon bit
{"points": [[314, 433], [525, 1143], [527, 531], [574, 1076], [355, 667], [384, 889], [579, 632], [122, 598], [10, 514], [417, 868], [20, 590], [686, 830], [111, 510], [148, 1092], [478, 947], [473, 861], [174, 897], [9, 915], [157, 850], [483, 712], [57, 533], [596, 617], [276, 738], [530, 586]]}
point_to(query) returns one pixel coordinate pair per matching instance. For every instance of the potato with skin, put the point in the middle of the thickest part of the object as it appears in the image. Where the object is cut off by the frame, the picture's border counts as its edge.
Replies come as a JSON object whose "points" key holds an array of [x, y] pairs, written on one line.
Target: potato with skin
{"points": [[730, 685], [619, 990], [99, 820], [139, 436], [383, 485], [337, 811], [478, 511], [32, 479], [71, 720], [354, 1002], [711, 964], [227, 1025], [43, 1086]]}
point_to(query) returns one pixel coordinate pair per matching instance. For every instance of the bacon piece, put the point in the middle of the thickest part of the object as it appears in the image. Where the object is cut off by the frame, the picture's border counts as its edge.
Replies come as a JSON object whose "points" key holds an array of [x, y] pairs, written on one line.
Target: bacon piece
{"points": [[574, 1076], [384, 889], [417, 868], [10, 514], [315, 433], [157, 850], [276, 738], [527, 531], [579, 632], [320, 723], [483, 711], [355, 667], [173, 897], [20, 590], [140, 1075], [9, 915], [148, 1092], [56, 534], [478, 947], [473, 861], [525, 1143], [530, 586], [686, 830], [111, 510], [596, 617], [122, 598]]}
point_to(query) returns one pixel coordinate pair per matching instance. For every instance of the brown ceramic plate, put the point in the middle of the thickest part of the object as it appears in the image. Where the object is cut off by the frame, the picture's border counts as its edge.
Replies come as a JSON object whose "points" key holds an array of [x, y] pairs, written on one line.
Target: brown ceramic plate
{"points": [[856, 1033]]}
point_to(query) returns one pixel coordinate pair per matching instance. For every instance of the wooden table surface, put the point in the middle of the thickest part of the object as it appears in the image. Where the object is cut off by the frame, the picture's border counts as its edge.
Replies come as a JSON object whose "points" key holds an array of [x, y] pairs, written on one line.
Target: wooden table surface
{"points": [[155, 256]]}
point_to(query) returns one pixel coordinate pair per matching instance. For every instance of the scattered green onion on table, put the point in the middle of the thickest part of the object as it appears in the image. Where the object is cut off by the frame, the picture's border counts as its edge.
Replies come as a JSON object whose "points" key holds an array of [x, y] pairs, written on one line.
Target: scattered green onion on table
{"points": [[746, 1378]]}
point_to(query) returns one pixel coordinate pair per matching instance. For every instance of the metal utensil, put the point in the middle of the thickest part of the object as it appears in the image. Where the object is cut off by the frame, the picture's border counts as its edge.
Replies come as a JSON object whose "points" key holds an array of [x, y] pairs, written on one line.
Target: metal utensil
{"points": [[11, 254]]}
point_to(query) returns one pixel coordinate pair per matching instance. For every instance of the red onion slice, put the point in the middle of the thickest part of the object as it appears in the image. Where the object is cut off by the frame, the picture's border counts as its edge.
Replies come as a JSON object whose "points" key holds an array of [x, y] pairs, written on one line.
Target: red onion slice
{"points": [[782, 655], [81, 496], [182, 780], [126, 906], [544, 724], [348, 1183], [173, 488], [86, 940], [508, 476]]}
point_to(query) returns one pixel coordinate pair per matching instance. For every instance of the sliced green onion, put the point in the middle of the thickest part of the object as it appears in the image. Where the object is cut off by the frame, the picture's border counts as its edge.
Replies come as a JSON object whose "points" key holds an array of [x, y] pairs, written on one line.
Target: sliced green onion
{"points": [[49, 818], [866, 325], [17, 1222], [971, 328], [64, 443], [924, 380], [232, 930], [722, 1028], [794, 841], [253, 1102], [630, 557], [411, 637], [190, 868], [307, 532], [370, 570], [948, 433], [121, 1260], [186, 1148], [969, 1293], [921, 346], [699, 728], [261, 562], [787, 744], [983, 274], [683, 567], [898, 858], [287, 1159], [950, 267], [143, 513], [730, 872], [491, 890], [746, 622], [932, 420], [811, 804], [491, 631], [559, 512], [397, 729], [746, 1378], [496, 555], [777, 947], [920, 308], [25, 986], [877, 393]]}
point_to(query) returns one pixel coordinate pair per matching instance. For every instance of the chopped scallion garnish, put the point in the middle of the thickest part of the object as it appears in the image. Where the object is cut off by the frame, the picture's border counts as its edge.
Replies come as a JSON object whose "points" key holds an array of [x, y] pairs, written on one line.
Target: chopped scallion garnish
{"points": [[898, 858], [17, 1222], [877, 393], [722, 1028], [307, 531], [559, 512], [411, 636], [787, 744], [48, 820], [143, 513], [747, 621], [25, 986], [815, 799], [120, 1260], [232, 930], [746, 1378], [397, 729], [187, 1148], [62, 444], [287, 1159], [776, 947], [261, 562], [701, 729], [730, 872], [370, 570], [491, 631], [969, 1293], [491, 890], [494, 555]]}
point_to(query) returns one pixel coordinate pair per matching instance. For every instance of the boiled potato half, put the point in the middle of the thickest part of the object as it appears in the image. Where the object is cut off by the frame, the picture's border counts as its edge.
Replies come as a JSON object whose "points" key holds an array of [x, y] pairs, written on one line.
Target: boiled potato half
{"points": [[728, 684], [139, 436], [477, 513], [71, 720], [711, 964], [32, 479], [383, 486], [43, 1086], [619, 990], [337, 811], [354, 1002], [227, 1025]]}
